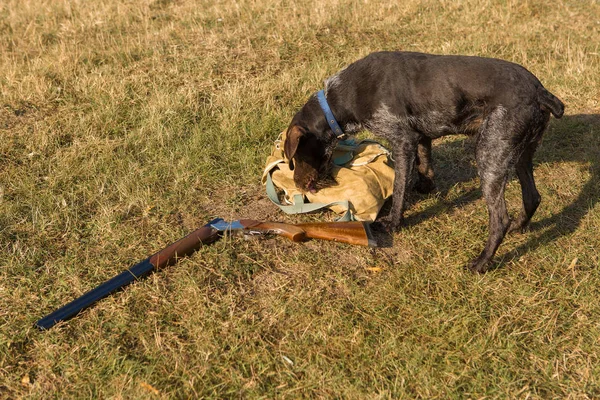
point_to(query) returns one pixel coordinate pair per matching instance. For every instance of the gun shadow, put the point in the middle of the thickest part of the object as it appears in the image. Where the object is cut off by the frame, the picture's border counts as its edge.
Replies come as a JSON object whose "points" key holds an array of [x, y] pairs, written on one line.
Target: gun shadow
{"points": [[573, 138]]}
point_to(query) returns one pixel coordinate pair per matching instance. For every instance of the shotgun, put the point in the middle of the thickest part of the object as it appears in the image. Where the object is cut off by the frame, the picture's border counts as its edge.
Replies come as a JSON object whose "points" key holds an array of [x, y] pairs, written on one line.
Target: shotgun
{"points": [[345, 232]]}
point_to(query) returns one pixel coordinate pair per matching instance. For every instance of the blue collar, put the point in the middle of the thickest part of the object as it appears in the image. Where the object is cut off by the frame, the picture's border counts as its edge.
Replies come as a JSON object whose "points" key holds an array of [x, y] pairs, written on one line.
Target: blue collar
{"points": [[335, 127]]}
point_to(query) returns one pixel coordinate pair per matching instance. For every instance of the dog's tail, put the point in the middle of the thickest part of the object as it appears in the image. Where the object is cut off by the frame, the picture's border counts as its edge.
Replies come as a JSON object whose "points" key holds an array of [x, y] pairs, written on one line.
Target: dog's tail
{"points": [[551, 102]]}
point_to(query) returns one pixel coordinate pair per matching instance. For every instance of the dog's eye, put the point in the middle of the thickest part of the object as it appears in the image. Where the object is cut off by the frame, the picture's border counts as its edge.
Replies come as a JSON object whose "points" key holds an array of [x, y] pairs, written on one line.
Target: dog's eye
{"points": [[291, 164]]}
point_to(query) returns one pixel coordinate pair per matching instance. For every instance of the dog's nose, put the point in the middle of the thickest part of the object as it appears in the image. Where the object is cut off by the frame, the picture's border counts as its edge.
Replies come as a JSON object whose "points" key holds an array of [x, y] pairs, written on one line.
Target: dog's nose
{"points": [[310, 187]]}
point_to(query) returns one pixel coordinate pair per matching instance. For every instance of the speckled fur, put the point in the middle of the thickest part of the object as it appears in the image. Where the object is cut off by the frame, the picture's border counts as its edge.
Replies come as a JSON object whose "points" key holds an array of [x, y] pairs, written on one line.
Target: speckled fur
{"points": [[411, 99]]}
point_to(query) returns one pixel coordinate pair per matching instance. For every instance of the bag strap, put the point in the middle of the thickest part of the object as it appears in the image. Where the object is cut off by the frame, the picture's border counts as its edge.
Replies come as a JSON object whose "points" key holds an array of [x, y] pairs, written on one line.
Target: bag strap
{"points": [[349, 146], [299, 206]]}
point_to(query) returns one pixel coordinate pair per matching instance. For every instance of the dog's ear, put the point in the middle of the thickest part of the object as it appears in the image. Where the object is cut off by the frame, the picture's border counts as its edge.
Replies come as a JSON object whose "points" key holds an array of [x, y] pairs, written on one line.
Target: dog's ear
{"points": [[292, 140]]}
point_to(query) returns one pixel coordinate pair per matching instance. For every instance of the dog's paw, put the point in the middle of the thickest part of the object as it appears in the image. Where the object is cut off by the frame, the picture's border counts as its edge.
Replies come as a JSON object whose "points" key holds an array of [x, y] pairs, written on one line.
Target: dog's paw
{"points": [[478, 265], [516, 226], [387, 225]]}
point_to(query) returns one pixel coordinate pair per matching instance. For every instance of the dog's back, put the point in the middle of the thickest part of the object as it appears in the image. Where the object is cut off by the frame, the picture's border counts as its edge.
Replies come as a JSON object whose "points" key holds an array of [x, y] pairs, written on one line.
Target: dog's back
{"points": [[416, 85]]}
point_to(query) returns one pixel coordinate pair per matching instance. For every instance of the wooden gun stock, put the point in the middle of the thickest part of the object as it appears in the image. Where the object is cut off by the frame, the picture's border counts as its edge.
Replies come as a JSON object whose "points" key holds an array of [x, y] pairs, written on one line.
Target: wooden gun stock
{"points": [[355, 232], [184, 247]]}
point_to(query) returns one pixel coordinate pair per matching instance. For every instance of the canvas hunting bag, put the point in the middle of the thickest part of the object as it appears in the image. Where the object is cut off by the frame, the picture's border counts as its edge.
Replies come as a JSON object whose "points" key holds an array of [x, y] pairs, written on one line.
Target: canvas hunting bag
{"points": [[363, 171]]}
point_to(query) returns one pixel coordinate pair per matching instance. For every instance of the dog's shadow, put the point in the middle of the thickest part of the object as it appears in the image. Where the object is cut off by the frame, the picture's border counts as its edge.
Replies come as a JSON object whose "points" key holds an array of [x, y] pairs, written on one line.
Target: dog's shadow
{"points": [[573, 138]]}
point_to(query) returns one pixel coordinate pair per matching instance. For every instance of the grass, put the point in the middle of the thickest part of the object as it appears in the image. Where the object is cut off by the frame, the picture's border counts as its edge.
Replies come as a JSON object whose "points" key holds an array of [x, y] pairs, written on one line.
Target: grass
{"points": [[126, 125]]}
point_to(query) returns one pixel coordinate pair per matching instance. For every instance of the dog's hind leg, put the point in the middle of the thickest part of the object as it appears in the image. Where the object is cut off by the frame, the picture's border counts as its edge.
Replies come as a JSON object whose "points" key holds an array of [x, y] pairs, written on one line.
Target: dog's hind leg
{"points": [[425, 183], [524, 169], [493, 191], [494, 153], [531, 197]]}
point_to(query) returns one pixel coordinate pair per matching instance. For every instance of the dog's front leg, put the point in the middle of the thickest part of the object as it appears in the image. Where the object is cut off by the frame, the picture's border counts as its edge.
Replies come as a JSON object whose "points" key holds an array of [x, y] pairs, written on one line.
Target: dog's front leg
{"points": [[404, 148]]}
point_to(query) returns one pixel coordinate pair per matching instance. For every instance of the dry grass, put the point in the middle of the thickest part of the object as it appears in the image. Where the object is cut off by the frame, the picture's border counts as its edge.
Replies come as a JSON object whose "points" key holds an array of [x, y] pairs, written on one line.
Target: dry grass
{"points": [[125, 125]]}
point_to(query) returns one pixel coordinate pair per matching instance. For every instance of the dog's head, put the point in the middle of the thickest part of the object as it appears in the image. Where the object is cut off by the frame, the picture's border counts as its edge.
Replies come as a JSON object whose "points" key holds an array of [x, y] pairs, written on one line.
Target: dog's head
{"points": [[309, 155]]}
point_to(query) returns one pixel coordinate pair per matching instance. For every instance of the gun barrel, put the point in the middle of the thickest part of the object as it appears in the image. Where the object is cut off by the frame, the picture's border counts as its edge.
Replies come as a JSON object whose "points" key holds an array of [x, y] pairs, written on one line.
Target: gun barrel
{"points": [[167, 256], [73, 308]]}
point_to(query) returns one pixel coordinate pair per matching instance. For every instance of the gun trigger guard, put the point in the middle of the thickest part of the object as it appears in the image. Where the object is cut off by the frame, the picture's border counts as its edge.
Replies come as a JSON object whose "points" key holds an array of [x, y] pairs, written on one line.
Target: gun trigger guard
{"points": [[250, 232], [261, 232]]}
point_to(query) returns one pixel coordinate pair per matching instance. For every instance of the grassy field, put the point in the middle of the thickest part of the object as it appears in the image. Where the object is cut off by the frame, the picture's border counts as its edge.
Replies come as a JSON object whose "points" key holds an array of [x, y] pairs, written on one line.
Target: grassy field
{"points": [[124, 125]]}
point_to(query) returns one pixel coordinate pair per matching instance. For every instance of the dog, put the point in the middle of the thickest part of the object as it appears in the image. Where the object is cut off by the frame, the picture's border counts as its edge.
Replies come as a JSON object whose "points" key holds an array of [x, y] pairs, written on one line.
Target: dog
{"points": [[410, 99]]}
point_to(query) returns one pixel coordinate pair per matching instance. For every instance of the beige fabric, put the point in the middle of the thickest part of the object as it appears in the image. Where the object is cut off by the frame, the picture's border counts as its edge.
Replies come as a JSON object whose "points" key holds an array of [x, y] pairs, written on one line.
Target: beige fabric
{"points": [[366, 180]]}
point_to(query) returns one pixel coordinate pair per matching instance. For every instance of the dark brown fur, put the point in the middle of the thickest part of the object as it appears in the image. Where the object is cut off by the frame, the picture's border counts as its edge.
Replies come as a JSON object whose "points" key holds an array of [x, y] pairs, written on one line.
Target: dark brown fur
{"points": [[411, 99]]}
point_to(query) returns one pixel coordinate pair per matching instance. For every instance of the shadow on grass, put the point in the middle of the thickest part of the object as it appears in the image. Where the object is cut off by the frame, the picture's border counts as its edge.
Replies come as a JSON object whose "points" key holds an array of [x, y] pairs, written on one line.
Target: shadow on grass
{"points": [[573, 138], [454, 163]]}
